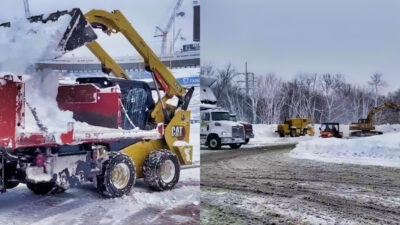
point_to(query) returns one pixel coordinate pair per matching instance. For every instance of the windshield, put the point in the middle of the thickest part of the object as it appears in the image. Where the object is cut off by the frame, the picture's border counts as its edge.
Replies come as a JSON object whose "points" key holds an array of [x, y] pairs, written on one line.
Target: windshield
{"points": [[217, 116], [329, 127], [233, 118]]}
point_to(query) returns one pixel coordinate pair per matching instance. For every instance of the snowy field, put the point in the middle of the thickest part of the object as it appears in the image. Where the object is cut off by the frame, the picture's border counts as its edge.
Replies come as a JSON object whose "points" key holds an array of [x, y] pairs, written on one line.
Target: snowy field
{"points": [[84, 205]]}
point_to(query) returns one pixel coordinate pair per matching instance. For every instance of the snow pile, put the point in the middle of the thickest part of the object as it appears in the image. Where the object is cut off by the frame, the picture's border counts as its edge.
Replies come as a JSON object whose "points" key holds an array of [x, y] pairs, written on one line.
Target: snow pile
{"points": [[380, 150], [25, 43], [40, 92]]}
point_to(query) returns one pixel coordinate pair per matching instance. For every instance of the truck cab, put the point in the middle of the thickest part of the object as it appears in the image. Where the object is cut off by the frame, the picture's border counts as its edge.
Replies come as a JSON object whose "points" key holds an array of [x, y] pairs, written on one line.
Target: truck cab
{"points": [[248, 128], [218, 129]]}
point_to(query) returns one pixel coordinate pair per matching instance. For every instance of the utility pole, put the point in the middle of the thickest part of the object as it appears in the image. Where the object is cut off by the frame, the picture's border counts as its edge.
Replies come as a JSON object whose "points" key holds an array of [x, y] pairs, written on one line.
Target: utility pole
{"points": [[249, 76], [26, 6]]}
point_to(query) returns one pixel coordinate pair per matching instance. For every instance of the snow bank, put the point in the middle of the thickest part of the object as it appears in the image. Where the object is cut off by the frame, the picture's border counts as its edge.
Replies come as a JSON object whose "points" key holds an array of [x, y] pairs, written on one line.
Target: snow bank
{"points": [[380, 150], [25, 43], [264, 134]]}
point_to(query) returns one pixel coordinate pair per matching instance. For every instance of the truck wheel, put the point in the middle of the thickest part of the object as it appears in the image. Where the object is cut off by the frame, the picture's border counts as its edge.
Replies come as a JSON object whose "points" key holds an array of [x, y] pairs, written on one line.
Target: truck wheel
{"points": [[235, 146], [293, 133], [161, 170], [214, 142], [118, 175], [11, 184], [42, 188], [10, 173], [246, 141]]}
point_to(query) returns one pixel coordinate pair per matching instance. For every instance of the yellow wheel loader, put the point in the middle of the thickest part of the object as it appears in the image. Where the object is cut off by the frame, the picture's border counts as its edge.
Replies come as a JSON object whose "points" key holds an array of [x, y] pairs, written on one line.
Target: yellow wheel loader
{"points": [[295, 127], [113, 162]]}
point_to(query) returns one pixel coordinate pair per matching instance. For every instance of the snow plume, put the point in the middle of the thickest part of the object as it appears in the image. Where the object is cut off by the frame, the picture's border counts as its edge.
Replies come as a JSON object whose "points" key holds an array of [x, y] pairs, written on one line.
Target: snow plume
{"points": [[380, 150], [25, 43], [41, 91]]}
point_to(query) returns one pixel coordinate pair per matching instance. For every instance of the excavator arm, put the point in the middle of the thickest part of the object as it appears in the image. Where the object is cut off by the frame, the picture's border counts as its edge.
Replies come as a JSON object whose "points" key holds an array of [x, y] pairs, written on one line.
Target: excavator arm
{"points": [[384, 106]]}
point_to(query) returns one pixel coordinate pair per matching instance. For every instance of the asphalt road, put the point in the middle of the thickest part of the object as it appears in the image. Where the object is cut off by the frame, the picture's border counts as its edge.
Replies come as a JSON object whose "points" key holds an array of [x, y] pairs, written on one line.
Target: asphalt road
{"points": [[266, 186]]}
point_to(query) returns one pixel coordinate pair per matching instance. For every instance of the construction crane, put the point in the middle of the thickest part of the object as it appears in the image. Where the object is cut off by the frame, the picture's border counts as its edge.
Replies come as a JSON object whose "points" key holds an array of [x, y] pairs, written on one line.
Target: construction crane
{"points": [[164, 32], [177, 36], [26, 7], [365, 127]]}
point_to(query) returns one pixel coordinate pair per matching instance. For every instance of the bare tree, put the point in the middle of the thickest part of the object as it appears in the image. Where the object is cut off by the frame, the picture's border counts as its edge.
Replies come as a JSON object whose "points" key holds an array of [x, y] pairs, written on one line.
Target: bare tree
{"points": [[377, 83]]}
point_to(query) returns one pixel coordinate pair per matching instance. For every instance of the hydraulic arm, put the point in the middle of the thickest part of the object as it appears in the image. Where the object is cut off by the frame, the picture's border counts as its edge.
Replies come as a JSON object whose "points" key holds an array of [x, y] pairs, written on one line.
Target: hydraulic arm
{"points": [[115, 22]]}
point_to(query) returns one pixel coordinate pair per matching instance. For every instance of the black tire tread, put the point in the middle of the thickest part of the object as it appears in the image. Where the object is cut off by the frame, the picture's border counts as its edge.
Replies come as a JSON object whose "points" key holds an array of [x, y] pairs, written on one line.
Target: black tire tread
{"points": [[151, 170]]}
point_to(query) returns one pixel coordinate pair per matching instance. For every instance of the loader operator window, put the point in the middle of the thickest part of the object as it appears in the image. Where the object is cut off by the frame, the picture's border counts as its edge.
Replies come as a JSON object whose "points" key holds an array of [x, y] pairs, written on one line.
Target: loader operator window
{"points": [[218, 116]]}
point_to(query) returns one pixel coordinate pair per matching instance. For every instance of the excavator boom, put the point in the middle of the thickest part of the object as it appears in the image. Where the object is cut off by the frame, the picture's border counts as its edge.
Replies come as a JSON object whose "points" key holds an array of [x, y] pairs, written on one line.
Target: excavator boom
{"points": [[365, 127]]}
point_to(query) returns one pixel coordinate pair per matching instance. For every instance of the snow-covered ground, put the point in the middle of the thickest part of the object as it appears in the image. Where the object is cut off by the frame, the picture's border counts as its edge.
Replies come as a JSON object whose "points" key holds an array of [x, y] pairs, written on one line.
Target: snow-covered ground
{"points": [[264, 134], [380, 150], [84, 205]]}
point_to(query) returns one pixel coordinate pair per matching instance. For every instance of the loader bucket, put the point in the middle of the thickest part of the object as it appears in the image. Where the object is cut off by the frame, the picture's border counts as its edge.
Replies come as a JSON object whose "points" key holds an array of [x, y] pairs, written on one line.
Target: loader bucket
{"points": [[78, 33]]}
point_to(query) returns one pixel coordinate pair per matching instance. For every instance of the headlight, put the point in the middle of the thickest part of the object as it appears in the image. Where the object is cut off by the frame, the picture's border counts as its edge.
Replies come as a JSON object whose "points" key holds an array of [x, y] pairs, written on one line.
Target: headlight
{"points": [[223, 133], [217, 124]]}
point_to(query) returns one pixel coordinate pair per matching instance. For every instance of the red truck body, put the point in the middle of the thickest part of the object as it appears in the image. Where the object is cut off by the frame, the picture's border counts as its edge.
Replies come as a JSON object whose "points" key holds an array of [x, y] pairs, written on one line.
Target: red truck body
{"points": [[89, 103]]}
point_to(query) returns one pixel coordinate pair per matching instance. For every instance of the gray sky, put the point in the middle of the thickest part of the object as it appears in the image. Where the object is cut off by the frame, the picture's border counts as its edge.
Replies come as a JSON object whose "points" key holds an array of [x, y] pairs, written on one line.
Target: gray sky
{"points": [[286, 37], [144, 15]]}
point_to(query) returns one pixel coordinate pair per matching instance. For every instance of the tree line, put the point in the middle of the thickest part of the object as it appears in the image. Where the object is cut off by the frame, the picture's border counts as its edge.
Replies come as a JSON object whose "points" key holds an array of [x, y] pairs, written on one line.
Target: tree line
{"points": [[324, 97]]}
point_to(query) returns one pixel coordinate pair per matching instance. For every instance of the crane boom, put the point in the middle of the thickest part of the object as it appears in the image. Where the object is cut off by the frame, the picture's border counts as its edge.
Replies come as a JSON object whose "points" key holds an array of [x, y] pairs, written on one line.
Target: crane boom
{"points": [[164, 33]]}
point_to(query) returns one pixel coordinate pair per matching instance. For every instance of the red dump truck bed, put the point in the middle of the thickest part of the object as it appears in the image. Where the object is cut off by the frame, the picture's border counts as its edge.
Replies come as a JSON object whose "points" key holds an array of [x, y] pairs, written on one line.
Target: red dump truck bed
{"points": [[89, 103]]}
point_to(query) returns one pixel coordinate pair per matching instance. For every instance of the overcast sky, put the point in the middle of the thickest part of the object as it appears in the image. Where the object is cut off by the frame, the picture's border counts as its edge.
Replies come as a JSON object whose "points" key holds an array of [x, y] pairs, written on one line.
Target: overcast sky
{"points": [[286, 37], [144, 15]]}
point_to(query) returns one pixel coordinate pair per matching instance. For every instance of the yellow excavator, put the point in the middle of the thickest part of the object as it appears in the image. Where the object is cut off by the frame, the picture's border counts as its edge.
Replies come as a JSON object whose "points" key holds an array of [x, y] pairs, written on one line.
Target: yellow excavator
{"points": [[113, 172], [365, 127]]}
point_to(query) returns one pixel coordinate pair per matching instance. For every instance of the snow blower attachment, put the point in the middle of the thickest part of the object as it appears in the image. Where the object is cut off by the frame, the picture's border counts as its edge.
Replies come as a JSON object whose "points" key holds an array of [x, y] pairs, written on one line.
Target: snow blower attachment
{"points": [[77, 34]]}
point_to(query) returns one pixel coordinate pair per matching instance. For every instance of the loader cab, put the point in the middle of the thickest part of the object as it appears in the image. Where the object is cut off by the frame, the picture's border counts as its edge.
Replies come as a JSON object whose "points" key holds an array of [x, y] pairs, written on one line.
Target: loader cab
{"points": [[363, 121], [329, 127], [330, 130]]}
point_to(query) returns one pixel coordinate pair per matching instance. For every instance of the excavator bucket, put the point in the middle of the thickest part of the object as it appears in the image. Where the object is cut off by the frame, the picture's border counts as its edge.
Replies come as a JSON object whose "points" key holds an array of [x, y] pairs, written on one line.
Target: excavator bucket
{"points": [[78, 33]]}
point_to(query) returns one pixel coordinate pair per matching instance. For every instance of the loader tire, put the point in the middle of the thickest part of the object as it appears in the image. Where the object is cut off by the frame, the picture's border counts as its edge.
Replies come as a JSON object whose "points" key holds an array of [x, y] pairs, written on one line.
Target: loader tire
{"points": [[235, 146], [281, 134], [43, 188], [161, 170], [214, 142], [293, 133], [118, 175]]}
